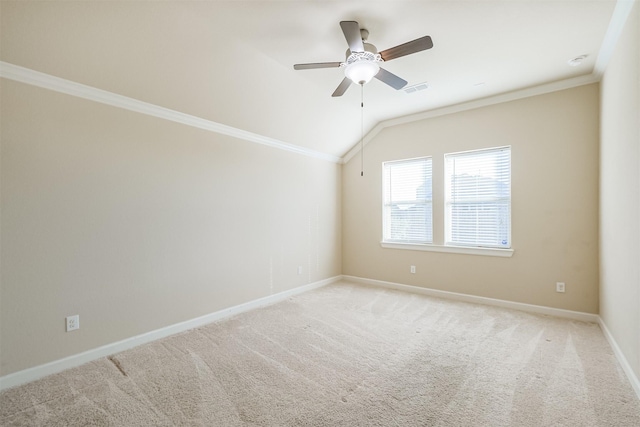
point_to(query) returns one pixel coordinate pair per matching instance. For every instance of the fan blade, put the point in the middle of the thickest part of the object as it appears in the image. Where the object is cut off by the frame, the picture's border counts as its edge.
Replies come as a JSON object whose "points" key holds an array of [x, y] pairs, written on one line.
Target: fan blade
{"points": [[351, 31], [390, 79], [316, 65], [342, 87], [417, 45]]}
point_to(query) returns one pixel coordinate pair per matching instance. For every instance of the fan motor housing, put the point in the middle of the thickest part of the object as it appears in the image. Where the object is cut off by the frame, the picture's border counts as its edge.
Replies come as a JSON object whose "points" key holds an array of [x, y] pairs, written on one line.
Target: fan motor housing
{"points": [[368, 47]]}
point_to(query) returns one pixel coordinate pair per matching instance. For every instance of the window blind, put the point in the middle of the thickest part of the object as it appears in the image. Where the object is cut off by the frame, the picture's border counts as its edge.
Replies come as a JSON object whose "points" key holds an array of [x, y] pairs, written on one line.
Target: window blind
{"points": [[478, 198], [407, 201]]}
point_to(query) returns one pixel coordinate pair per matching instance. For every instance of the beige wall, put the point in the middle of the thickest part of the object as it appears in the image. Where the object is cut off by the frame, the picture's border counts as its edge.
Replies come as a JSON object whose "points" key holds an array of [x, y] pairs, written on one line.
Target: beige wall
{"points": [[554, 140], [620, 193], [136, 223]]}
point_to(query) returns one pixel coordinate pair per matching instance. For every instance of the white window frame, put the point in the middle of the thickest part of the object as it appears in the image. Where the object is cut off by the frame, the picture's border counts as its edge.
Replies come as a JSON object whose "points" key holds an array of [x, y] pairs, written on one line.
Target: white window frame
{"points": [[480, 200], [386, 203]]}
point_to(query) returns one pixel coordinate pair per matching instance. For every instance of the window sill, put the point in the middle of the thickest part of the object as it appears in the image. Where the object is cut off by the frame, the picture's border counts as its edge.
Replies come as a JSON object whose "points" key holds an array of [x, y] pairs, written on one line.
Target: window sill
{"points": [[507, 253]]}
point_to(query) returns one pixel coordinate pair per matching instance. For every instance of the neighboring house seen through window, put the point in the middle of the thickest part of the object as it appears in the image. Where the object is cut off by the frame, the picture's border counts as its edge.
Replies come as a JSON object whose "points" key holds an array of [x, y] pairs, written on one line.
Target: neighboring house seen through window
{"points": [[478, 198], [407, 201]]}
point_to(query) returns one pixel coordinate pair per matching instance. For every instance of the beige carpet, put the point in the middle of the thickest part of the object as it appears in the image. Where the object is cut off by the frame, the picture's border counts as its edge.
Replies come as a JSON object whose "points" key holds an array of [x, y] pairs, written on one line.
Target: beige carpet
{"points": [[347, 355]]}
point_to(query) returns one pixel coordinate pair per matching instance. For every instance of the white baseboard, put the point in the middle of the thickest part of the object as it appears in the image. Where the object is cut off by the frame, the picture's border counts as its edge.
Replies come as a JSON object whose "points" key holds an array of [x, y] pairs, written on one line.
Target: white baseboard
{"points": [[56, 366], [633, 379], [539, 309], [31, 374], [568, 314]]}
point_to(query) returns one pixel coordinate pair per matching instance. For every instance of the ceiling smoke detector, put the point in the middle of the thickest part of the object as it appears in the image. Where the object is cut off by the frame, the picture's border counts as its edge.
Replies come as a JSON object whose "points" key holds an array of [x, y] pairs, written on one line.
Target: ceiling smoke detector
{"points": [[577, 60]]}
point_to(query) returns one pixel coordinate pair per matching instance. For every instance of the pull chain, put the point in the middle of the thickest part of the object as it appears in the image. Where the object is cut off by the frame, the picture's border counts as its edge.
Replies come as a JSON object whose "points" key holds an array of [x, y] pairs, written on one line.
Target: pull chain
{"points": [[362, 129]]}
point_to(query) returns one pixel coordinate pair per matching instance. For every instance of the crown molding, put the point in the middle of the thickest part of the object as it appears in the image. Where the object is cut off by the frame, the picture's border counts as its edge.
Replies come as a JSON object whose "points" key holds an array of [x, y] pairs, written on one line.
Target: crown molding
{"points": [[35, 78], [57, 84], [614, 30], [471, 105]]}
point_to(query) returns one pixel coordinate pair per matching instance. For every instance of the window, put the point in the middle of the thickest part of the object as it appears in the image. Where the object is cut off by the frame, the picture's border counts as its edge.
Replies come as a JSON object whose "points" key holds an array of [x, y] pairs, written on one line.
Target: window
{"points": [[407, 204], [478, 198]]}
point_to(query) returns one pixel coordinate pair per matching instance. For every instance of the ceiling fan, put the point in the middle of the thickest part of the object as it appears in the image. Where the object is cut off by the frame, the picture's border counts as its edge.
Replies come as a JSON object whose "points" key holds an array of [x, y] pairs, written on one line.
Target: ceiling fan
{"points": [[362, 61]]}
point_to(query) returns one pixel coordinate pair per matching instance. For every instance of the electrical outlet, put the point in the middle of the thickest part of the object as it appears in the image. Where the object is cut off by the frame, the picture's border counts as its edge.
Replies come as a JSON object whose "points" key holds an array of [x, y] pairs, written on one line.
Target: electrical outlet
{"points": [[560, 287], [300, 269], [413, 269], [73, 323]]}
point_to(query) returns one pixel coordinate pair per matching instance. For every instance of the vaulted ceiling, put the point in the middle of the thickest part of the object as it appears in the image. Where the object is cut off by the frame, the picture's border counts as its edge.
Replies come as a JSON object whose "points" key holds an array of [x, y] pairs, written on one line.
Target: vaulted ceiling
{"points": [[231, 62]]}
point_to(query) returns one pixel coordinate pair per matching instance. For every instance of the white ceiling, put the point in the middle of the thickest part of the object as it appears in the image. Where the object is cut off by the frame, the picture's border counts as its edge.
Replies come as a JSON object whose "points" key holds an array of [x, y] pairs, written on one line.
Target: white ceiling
{"points": [[232, 61]]}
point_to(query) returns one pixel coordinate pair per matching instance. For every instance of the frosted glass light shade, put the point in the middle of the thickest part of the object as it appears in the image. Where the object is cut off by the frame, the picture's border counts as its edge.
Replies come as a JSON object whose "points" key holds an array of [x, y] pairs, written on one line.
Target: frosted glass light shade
{"points": [[361, 72]]}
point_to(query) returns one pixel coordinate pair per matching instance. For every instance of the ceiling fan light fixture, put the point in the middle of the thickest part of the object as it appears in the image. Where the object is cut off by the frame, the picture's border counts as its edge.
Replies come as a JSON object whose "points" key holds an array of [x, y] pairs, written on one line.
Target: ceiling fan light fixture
{"points": [[361, 72]]}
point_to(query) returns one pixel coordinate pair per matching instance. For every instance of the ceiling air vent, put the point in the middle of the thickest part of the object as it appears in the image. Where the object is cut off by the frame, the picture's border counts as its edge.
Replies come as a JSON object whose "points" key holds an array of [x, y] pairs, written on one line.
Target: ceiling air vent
{"points": [[416, 88]]}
